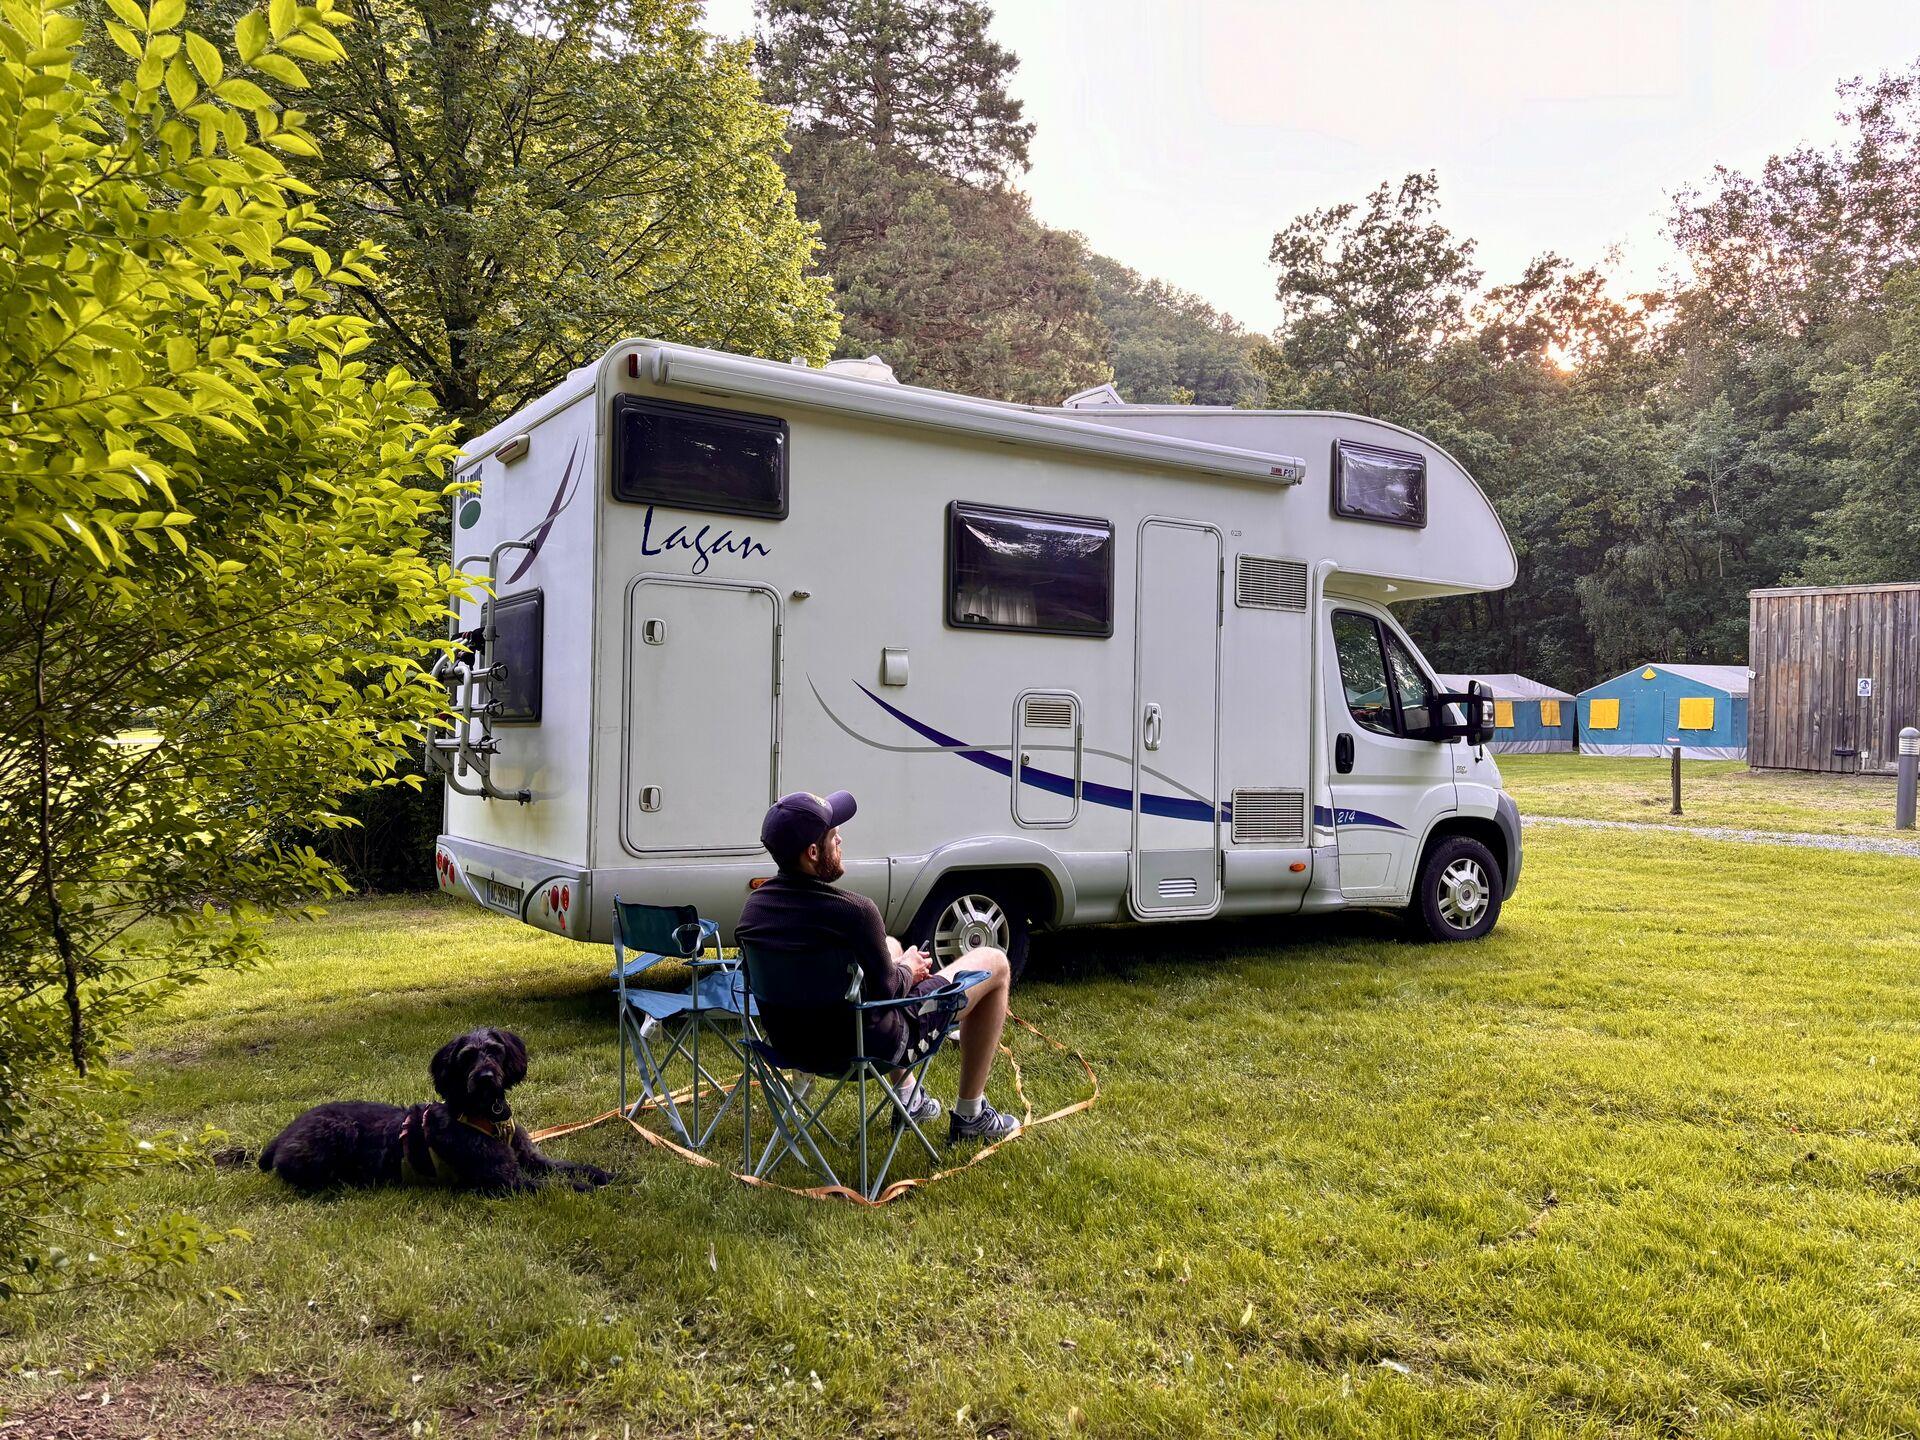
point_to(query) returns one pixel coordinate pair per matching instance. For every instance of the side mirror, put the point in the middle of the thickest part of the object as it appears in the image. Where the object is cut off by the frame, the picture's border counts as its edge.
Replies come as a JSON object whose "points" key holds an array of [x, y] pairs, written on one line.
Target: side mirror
{"points": [[1476, 703]]}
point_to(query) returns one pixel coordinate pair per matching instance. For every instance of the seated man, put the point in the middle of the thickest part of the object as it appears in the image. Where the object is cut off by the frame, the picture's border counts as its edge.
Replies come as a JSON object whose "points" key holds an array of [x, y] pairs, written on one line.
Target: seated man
{"points": [[799, 909]]}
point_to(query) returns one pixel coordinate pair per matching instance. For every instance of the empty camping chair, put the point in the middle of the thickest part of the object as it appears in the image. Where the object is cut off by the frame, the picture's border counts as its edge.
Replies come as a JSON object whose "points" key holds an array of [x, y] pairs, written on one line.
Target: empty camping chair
{"points": [[658, 1025], [821, 991]]}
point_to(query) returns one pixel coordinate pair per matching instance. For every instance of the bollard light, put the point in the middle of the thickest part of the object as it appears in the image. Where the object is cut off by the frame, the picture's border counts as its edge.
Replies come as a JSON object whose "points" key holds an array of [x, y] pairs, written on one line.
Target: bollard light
{"points": [[1909, 773]]}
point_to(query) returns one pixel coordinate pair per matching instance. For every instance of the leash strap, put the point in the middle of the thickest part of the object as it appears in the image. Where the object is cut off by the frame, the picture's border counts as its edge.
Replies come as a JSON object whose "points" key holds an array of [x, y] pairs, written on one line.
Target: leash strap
{"points": [[1029, 1122]]}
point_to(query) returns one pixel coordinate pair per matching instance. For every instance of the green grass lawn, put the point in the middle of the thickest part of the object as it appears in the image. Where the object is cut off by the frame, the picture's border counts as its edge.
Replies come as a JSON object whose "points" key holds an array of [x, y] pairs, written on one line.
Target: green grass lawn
{"points": [[1713, 792], [1642, 1163]]}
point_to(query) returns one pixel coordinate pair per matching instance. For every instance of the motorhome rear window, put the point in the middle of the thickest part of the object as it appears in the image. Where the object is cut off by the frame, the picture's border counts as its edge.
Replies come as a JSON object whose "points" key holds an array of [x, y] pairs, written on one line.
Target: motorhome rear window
{"points": [[693, 457], [1024, 570], [518, 635], [1372, 483]]}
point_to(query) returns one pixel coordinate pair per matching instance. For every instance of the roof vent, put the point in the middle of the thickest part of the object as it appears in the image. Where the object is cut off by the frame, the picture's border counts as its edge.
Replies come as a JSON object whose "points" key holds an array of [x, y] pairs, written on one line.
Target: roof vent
{"points": [[1099, 397], [872, 368]]}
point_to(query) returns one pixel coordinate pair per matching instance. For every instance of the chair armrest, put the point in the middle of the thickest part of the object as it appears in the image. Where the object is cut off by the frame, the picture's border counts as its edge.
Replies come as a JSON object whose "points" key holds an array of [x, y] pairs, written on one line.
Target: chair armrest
{"points": [[696, 936], [957, 985], [638, 962]]}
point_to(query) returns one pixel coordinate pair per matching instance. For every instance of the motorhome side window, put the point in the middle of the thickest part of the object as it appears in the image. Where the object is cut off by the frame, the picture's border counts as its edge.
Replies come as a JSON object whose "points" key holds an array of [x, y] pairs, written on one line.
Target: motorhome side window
{"points": [[1024, 570], [1371, 482], [518, 622], [1387, 691], [694, 457]]}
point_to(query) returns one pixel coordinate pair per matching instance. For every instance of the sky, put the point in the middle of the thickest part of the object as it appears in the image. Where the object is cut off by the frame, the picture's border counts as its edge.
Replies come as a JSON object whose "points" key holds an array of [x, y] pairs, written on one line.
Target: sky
{"points": [[1179, 135]]}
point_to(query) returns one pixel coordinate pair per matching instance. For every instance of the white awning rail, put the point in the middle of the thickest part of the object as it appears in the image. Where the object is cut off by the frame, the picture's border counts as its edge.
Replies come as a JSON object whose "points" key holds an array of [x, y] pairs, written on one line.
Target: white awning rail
{"points": [[734, 376]]}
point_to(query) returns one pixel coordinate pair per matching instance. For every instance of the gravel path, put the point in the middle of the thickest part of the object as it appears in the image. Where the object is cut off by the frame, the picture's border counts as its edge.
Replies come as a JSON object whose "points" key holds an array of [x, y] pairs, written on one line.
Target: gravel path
{"points": [[1869, 844]]}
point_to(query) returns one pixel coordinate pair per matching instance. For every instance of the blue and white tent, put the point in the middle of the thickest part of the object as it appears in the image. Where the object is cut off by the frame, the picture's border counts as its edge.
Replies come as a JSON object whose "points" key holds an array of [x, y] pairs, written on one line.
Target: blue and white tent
{"points": [[1645, 711], [1528, 717]]}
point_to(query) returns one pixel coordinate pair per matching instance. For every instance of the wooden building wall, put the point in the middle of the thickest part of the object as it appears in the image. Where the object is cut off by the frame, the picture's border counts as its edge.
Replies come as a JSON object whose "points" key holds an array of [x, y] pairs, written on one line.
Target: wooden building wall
{"points": [[1808, 648]]}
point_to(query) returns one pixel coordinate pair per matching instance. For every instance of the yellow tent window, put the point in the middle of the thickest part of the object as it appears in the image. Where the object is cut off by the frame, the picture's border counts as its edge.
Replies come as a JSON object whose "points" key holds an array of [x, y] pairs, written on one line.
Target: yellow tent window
{"points": [[1549, 712], [1696, 712], [1503, 714], [1603, 714]]}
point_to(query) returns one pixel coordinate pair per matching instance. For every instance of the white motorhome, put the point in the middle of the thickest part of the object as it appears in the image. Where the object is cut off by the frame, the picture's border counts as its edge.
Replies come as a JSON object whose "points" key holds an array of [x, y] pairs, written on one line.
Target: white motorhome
{"points": [[1078, 664]]}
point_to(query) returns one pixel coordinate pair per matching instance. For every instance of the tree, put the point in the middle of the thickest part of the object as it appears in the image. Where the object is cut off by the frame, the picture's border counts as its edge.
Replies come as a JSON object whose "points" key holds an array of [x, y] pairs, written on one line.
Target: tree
{"points": [[1170, 347], [954, 285], [548, 176], [1374, 301], [1871, 415], [910, 79], [904, 136], [211, 518]]}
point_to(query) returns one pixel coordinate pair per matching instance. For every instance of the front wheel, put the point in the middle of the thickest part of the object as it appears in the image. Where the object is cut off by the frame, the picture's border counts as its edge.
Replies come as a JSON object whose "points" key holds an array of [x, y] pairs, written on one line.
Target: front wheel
{"points": [[966, 914], [1457, 896]]}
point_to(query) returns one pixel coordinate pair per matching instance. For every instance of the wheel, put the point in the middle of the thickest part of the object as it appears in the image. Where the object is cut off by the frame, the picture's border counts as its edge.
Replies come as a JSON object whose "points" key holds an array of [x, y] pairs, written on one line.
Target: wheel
{"points": [[965, 913], [1458, 894]]}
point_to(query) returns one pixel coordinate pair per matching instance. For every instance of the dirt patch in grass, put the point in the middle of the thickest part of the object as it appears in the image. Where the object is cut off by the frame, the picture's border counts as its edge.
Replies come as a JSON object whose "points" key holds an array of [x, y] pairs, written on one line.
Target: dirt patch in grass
{"points": [[179, 1403]]}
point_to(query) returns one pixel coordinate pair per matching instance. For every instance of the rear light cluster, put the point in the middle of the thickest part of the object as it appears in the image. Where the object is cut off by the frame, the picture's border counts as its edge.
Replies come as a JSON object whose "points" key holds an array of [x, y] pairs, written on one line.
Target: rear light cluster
{"points": [[443, 864], [559, 901]]}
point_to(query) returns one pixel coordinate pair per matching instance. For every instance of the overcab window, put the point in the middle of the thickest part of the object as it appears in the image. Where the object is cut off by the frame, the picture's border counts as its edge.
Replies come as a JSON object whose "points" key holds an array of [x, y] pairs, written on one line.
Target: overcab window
{"points": [[1024, 570], [693, 457], [1372, 483]]}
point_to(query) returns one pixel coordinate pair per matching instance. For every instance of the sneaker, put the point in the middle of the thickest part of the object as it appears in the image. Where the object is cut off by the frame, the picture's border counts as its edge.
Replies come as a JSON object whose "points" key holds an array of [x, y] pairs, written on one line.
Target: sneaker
{"points": [[988, 1125], [924, 1108]]}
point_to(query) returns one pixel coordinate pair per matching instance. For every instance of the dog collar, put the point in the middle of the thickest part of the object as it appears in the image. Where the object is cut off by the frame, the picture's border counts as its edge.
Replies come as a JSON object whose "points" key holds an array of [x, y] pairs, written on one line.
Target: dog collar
{"points": [[495, 1130]]}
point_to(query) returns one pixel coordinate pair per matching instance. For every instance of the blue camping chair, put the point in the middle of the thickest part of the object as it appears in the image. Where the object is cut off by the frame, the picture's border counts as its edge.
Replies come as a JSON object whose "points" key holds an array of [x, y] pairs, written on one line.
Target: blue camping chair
{"points": [[673, 1020], [825, 986]]}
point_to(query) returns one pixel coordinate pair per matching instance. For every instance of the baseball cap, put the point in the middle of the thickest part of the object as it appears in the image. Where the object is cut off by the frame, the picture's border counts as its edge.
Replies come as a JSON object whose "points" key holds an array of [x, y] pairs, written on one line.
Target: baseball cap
{"points": [[801, 819]]}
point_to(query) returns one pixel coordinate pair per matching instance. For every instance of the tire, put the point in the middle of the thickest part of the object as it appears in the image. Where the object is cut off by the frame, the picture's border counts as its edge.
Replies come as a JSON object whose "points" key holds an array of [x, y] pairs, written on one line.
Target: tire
{"points": [[1457, 896], [964, 912]]}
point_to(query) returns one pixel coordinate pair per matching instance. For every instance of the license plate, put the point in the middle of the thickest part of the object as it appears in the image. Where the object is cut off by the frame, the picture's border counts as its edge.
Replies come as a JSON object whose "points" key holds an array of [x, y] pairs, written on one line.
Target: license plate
{"points": [[504, 897]]}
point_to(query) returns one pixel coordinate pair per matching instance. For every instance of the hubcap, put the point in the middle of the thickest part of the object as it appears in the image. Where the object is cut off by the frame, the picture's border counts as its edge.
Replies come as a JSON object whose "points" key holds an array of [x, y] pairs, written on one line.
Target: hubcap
{"points": [[1464, 892], [968, 923]]}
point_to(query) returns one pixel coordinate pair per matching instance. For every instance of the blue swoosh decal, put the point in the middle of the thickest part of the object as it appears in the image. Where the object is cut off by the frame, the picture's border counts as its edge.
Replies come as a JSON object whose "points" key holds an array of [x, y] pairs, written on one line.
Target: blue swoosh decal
{"points": [[1343, 818], [1171, 807]]}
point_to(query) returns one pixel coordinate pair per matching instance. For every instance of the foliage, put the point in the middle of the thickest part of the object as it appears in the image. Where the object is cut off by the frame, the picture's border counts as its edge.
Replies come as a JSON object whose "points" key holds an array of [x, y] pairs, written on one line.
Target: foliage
{"points": [[1171, 347], [548, 176], [913, 80], [1871, 414], [210, 514], [955, 285], [1639, 1164]]}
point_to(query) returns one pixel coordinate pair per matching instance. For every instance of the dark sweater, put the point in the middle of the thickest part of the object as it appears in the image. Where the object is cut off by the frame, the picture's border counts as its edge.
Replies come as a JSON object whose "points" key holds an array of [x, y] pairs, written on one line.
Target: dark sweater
{"points": [[797, 913]]}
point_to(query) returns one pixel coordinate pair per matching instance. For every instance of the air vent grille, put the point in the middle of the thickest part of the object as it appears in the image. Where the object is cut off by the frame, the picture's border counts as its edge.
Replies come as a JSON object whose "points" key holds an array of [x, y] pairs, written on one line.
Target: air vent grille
{"points": [[1179, 887], [1049, 712], [1269, 816], [1267, 582]]}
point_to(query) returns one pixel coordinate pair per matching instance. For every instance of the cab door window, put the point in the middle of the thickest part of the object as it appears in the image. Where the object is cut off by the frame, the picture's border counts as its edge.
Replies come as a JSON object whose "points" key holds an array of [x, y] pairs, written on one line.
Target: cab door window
{"points": [[1387, 691], [1363, 672], [1410, 686]]}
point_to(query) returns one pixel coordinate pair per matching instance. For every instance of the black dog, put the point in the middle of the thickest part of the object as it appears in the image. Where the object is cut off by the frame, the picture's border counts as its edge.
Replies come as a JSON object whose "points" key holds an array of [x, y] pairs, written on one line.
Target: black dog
{"points": [[471, 1141]]}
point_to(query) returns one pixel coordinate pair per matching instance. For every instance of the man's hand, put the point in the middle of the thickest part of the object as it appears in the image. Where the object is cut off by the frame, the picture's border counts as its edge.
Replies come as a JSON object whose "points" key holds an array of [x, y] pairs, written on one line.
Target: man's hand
{"points": [[919, 964]]}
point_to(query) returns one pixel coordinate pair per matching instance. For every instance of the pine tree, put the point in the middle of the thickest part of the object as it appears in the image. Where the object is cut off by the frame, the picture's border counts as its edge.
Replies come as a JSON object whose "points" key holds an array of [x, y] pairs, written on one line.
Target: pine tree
{"points": [[914, 78]]}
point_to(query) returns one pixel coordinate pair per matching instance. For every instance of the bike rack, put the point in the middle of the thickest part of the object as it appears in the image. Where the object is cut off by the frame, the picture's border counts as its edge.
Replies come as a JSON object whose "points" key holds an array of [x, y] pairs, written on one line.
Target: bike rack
{"points": [[469, 672]]}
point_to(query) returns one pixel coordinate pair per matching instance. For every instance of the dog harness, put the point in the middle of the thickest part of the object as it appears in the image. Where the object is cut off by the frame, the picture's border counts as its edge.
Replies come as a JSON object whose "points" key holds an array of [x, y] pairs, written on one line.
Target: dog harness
{"points": [[420, 1163]]}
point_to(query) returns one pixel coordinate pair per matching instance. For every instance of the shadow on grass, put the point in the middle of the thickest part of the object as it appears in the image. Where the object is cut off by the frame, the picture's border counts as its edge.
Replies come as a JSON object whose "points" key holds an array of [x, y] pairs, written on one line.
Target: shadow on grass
{"points": [[1146, 952]]}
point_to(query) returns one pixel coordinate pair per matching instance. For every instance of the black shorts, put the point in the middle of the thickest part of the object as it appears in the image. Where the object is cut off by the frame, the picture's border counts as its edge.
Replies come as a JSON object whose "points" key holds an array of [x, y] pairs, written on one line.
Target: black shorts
{"points": [[916, 1028]]}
